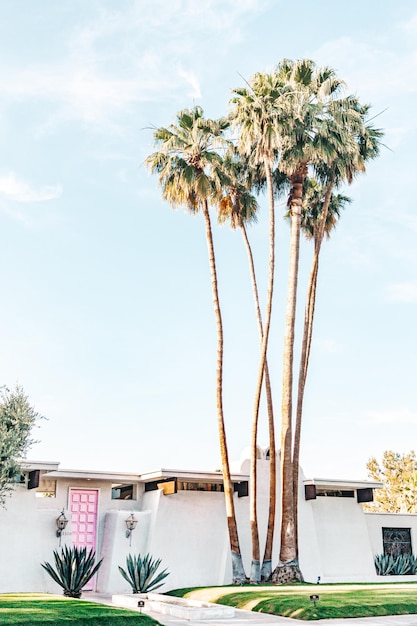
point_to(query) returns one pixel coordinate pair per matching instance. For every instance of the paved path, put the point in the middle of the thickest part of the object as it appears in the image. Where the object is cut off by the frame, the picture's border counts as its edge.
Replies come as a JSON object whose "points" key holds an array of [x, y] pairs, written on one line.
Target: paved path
{"points": [[250, 618], [241, 618]]}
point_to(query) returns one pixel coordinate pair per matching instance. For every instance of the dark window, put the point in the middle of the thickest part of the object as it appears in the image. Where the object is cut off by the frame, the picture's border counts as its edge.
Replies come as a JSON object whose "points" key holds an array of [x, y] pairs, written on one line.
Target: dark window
{"points": [[335, 493], [122, 492], [365, 495], [190, 486], [157, 484], [33, 479], [396, 541], [310, 492], [46, 488], [241, 488], [18, 479]]}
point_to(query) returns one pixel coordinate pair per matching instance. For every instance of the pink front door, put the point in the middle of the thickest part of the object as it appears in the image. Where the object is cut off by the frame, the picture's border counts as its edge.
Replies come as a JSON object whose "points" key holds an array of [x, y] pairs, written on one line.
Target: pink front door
{"points": [[83, 508]]}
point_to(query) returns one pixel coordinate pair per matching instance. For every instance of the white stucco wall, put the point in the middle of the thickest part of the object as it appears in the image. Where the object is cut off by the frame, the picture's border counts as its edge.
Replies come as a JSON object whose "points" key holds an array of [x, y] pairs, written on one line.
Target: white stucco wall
{"points": [[308, 538], [375, 522], [188, 531], [116, 547], [20, 543], [242, 513], [28, 535], [342, 537]]}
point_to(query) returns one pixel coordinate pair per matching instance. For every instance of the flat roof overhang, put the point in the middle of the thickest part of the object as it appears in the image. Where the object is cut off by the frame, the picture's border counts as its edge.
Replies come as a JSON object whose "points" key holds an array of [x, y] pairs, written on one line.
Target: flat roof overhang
{"points": [[156, 475], [337, 483], [114, 477], [190, 476], [29, 466]]}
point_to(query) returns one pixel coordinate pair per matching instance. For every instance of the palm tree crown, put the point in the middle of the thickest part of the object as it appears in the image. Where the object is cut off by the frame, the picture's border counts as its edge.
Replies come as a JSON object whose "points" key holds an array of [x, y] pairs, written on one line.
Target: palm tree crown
{"points": [[313, 201], [190, 174], [188, 165]]}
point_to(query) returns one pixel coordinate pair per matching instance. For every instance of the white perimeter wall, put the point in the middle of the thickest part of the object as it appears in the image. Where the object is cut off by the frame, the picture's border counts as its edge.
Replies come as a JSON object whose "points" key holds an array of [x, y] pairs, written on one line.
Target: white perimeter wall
{"points": [[375, 522], [342, 537], [20, 544]]}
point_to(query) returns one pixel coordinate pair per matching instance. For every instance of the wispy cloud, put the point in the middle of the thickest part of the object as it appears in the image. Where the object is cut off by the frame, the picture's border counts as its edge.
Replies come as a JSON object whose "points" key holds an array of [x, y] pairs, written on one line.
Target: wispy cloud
{"points": [[400, 415], [17, 196], [372, 67], [328, 345], [13, 188], [192, 80], [82, 93], [411, 25], [159, 54], [402, 292]]}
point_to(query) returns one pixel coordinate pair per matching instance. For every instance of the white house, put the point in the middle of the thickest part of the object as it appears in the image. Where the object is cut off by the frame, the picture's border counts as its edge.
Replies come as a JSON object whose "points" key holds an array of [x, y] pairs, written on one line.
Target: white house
{"points": [[181, 519]]}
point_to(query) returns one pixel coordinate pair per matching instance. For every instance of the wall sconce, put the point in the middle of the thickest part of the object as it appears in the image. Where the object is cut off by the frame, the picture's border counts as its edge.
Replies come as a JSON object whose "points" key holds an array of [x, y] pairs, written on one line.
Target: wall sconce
{"points": [[130, 522], [61, 524]]}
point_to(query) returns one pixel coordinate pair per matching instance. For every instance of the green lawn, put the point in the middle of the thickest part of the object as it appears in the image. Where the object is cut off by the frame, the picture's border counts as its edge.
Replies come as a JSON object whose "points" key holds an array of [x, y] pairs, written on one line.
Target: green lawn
{"points": [[22, 609], [338, 600]]}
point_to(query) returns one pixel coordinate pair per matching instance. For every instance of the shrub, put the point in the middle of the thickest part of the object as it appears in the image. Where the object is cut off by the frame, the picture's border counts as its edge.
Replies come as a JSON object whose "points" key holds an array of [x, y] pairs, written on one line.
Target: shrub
{"points": [[384, 564], [73, 569], [403, 564], [141, 573]]}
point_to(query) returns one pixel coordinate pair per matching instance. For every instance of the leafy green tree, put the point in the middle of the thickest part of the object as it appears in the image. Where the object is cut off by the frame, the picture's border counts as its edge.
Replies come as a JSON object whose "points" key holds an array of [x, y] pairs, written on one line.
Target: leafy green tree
{"points": [[398, 473], [189, 170], [17, 418]]}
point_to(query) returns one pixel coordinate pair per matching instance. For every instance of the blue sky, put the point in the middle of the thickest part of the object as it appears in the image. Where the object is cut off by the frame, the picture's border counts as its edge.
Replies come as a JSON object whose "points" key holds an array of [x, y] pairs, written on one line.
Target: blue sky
{"points": [[106, 316]]}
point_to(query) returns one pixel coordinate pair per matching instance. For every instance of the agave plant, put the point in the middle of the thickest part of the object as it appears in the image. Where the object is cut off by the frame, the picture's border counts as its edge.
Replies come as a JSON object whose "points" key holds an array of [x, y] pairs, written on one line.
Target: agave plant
{"points": [[384, 564], [403, 564], [412, 559], [141, 573], [73, 569]]}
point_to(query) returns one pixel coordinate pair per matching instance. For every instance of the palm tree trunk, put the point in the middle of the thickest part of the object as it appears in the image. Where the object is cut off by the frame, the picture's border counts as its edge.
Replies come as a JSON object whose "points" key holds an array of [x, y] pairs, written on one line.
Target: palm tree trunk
{"points": [[266, 570], [238, 572], [302, 376], [306, 347], [288, 550], [255, 576]]}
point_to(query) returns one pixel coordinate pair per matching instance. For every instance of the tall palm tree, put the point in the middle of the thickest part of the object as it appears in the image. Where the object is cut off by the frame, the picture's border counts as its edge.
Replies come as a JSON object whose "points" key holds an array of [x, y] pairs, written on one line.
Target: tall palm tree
{"points": [[320, 206], [321, 210], [311, 134], [256, 115], [239, 208], [188, 167]]}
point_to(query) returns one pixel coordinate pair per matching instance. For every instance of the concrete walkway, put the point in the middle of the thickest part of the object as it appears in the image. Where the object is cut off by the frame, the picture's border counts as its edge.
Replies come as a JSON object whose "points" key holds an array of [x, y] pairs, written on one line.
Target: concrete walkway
{"points": [[241, 618], [250, 618]]}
